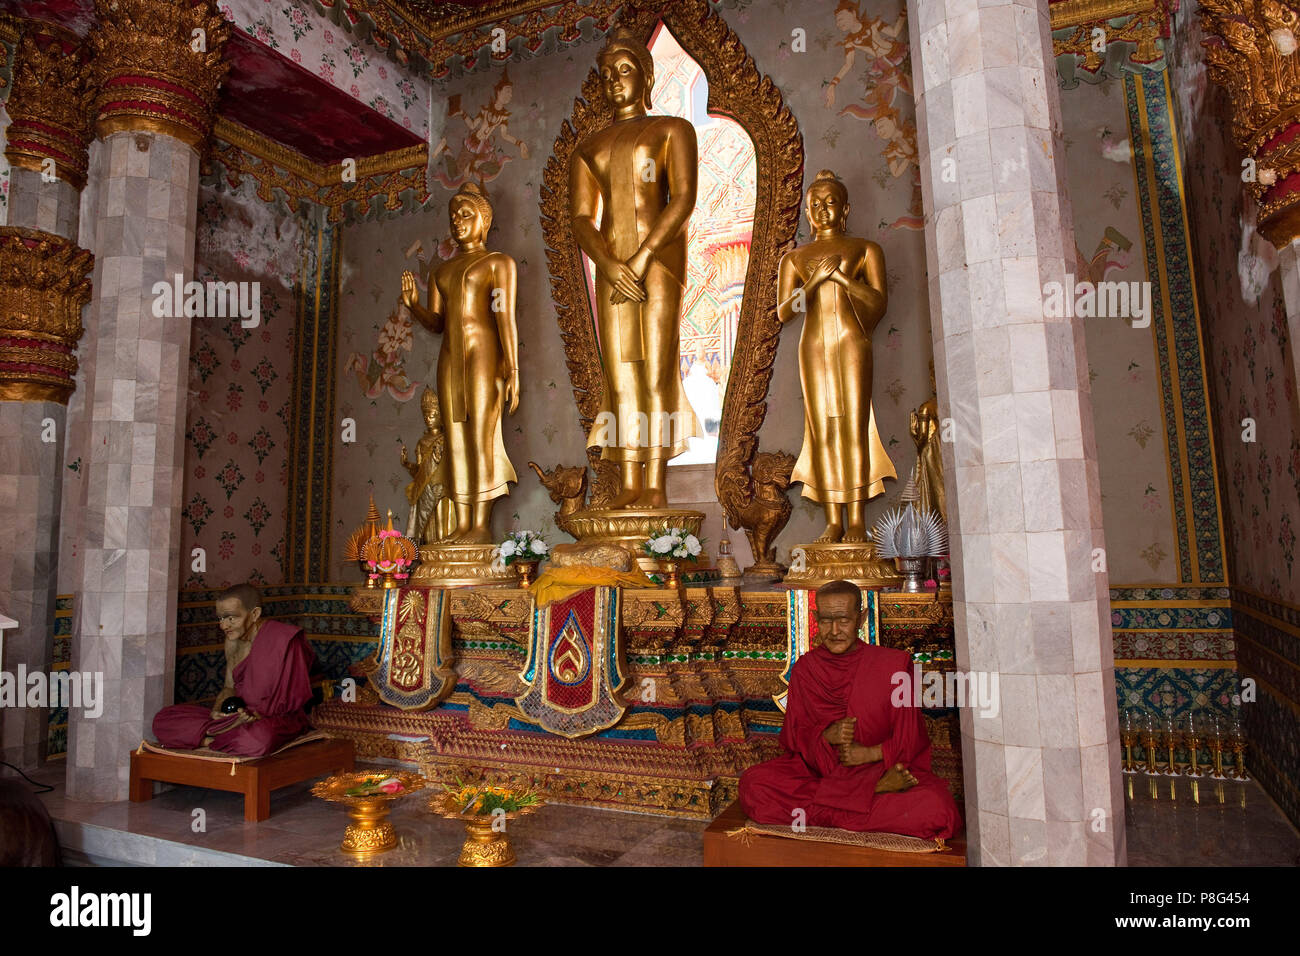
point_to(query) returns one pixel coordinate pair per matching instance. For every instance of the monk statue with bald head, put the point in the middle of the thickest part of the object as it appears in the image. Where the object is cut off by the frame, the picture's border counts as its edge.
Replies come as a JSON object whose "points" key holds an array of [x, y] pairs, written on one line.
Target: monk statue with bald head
{"points": [[853, 758], [262, 704]]}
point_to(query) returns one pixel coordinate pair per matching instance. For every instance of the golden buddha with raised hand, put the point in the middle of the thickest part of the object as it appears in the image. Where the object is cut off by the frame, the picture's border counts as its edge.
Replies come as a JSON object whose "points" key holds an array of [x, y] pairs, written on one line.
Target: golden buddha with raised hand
{"points": [[472, 297], [837, 282], [631, 193]]}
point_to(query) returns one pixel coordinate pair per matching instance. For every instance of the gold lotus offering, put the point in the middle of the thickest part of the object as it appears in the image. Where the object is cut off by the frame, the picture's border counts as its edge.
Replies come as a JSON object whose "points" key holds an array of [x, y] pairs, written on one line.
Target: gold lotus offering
{"points": [[485, 812], [369, 796]]}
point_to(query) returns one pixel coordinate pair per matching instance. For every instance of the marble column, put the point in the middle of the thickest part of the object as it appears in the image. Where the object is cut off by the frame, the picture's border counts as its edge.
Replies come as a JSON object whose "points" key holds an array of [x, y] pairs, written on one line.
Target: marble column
{"points": [[43, 287], [1288, 269], [153, 107], [1029, 587]]}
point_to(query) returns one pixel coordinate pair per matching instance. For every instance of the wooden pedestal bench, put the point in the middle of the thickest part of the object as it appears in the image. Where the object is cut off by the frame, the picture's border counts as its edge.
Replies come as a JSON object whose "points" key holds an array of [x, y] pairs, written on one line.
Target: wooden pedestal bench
{"points": [[754, 848], [255, 778]]}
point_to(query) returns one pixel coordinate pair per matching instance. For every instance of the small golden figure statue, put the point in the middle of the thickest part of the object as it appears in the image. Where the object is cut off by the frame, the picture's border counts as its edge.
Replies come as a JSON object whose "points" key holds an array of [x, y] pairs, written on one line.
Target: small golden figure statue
{"points": [[632, 191], [925, 428], [838, 283], [433, 516], [472, 296]]}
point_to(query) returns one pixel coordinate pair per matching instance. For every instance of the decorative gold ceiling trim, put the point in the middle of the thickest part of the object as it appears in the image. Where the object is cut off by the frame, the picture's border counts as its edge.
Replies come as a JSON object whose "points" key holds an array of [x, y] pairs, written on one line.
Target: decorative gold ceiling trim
{"points": [[275, 167], [1073, 13], [439, 36]]}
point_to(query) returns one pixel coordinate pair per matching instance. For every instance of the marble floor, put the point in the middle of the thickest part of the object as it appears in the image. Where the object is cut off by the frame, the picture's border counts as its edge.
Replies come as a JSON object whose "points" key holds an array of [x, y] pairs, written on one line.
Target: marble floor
{"points": [[1175, 822]]}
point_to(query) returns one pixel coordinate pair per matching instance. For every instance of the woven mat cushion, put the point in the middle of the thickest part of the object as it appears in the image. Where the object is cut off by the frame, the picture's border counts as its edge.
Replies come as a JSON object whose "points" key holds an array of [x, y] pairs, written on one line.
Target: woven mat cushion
{"points": [[207, 753], [892, 842]]}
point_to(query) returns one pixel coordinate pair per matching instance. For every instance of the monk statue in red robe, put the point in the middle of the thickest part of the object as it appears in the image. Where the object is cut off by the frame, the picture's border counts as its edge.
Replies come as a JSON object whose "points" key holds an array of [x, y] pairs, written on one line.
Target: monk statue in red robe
{"points": [[853, 760], [268, 664]]}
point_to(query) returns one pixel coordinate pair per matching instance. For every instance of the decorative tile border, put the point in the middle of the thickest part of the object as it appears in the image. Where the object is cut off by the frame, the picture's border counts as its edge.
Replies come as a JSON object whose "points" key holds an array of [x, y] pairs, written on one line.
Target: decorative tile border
{"points": [[1184, 388], [311, 437]]}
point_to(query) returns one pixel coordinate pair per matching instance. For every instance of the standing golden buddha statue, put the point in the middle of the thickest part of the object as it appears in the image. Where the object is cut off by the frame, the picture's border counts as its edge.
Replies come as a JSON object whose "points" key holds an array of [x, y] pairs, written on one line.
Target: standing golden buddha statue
{"points": [[631, 193], [472, 297], [837, 283]]}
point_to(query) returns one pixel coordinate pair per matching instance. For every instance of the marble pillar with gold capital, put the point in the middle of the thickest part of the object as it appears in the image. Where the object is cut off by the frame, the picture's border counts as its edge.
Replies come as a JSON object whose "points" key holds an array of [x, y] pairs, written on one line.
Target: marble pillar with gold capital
{"points": [[836, 283], [156, 87], [632, 192]]}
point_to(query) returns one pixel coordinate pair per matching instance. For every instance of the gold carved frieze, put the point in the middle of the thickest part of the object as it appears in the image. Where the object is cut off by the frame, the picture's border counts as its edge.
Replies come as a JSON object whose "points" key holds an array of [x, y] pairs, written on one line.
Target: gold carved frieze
{"points": [[158, 65], [1251, 51], [44, 283], [441, 34], [49, 105], [280, 172], [737, 90]]}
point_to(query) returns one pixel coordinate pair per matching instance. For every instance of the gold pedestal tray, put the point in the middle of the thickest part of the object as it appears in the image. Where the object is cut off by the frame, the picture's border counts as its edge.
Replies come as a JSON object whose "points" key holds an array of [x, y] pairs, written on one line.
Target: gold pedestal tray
{"points": [[629, 528], [458, 565], [370, 831], [485, 844], [857, 562]]}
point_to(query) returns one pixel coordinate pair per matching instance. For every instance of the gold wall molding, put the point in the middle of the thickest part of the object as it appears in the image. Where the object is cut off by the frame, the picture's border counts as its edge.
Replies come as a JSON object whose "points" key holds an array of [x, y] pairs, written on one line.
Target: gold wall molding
{"points": [[1144, 22], [44, 282], [147, 74], [243, 152], [1250, 50], [737, 90], [50, 102], [439, 33]]}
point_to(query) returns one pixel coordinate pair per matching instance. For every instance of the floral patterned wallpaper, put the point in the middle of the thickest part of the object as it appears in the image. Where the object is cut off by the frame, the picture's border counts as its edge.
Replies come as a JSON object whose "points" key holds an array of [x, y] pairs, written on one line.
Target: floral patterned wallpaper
{"points": [[1248, 345], [237, 422], [296, 31]]}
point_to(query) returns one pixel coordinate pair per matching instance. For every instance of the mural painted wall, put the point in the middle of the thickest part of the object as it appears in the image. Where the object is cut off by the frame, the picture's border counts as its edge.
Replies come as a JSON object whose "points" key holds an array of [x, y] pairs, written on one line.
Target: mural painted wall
{"points": [[1122, 360], [237, 420], [1248, 359]]}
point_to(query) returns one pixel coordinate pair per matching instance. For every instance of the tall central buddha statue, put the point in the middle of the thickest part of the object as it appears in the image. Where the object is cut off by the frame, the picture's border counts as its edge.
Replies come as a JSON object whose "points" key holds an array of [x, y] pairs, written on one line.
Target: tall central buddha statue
{"points": [[631, 193]]}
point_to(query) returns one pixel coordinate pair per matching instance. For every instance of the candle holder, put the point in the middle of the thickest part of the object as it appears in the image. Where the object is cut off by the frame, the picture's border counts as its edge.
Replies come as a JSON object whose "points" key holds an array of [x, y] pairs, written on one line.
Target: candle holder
{"points": [[1237, 743], [1149, 742], [1193, 740], [1171, 740], [1216, 750], [1128, 736]]}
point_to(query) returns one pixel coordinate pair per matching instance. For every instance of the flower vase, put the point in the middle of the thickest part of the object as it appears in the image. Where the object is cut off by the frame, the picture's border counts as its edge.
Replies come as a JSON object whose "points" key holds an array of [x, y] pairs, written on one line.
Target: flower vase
{"points": [[527, 572], [672, 573]]}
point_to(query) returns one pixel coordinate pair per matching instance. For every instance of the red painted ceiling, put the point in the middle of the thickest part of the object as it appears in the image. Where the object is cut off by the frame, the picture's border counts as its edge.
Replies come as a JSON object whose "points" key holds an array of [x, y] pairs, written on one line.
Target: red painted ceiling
{"points": [[269, 94]]}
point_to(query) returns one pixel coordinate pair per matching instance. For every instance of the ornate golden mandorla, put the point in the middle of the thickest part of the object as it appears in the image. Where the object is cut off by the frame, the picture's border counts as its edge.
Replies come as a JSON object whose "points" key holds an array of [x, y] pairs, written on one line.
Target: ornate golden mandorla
{"points": [[44, 282], [737, 90]]}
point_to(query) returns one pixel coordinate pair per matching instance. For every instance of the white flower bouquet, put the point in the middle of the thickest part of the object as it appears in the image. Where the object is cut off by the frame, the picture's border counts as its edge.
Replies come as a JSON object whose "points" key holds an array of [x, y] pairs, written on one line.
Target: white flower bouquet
{"points": [[523, 546], [676, 543]]}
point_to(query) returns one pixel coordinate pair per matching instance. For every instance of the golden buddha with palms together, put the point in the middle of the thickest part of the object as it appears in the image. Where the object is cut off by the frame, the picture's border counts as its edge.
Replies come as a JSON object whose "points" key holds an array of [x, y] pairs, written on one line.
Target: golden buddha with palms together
{"points": [[837, 283]]}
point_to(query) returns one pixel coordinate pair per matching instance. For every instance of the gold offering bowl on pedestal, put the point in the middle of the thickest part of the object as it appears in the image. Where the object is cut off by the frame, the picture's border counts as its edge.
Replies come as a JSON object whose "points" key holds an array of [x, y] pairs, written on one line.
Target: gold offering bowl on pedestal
{"points": [[486, 841], [630, 527], [370, 831]]}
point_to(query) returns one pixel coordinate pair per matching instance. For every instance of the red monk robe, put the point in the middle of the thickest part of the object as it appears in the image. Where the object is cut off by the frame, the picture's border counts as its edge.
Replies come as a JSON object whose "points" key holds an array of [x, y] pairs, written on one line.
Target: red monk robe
{"points": [[824, 688], [274, 682]]}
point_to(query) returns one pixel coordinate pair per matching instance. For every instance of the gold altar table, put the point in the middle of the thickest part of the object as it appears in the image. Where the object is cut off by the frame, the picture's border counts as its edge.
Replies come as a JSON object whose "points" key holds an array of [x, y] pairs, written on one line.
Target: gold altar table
{"points": [[702, 664]]}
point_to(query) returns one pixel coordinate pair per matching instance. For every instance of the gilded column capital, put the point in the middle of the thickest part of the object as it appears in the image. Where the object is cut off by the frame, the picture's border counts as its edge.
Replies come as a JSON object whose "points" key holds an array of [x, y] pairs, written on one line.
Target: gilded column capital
{"points": [[50, 103], [1250, 50], [44, 282], [158, 66]]}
